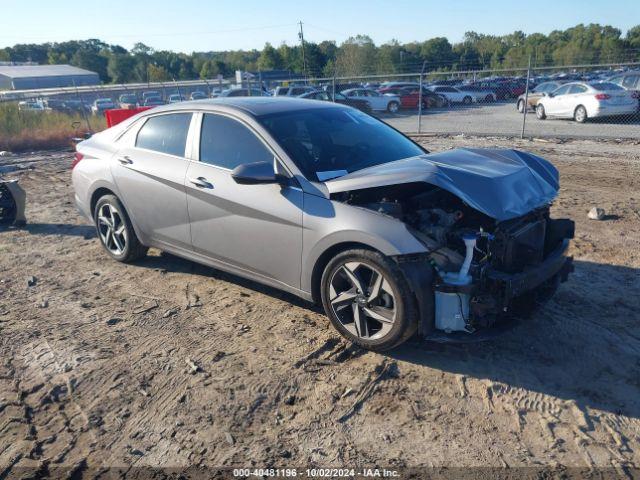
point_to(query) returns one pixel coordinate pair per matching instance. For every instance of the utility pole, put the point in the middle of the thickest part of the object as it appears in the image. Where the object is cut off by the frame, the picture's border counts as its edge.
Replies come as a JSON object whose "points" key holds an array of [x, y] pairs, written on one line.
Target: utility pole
{"points": [[526, 99], [304, 60]]}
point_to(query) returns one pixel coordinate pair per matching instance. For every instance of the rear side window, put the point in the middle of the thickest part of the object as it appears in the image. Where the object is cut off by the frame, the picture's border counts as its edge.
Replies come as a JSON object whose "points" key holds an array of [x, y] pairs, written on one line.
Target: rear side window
{"points": [[227, 143], [578, 89], [165, 134]]}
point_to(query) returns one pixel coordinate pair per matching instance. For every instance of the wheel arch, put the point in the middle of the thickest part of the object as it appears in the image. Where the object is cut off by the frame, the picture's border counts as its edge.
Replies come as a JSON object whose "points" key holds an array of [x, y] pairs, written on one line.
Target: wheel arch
{"points": [[325, 257], [97, 194], [102, 190]]}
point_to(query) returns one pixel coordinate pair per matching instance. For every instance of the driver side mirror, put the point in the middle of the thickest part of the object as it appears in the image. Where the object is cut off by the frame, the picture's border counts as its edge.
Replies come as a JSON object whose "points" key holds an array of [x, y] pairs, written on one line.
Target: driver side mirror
{"points": [[255, 174]]}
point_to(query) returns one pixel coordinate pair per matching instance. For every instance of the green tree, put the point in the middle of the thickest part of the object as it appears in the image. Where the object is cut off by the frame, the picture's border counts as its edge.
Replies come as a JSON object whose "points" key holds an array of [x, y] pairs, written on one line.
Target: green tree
{"points": [[121, 69], [269, 58]]}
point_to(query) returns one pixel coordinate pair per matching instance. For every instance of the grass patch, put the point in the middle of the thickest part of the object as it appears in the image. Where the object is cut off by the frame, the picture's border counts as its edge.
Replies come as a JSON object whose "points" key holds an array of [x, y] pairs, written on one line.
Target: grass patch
{"points": [[24, 131]]}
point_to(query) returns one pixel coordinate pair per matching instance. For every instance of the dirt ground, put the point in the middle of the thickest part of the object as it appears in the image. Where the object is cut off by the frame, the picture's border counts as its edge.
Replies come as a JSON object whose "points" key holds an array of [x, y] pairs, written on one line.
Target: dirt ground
{"points": [[166, 363]]}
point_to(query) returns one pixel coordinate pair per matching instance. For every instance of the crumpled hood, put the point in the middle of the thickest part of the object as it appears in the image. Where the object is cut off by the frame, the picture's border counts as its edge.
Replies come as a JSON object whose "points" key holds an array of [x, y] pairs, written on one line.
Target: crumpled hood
{"points": [[502, 184]]}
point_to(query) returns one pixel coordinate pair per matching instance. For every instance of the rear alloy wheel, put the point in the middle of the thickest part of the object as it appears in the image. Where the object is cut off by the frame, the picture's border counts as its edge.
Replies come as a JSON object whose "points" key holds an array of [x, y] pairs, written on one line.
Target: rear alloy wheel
{"points": [[580, 114], [521, 106], [467, 100], [393, 107], [116, 232], [368, 300], [540, 113]]}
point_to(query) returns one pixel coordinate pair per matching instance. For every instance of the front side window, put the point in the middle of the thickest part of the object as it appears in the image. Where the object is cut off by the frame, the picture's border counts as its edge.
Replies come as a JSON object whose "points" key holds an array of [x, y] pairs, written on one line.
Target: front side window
{"points": [[227, 143], [329, 142], [165, 134]]}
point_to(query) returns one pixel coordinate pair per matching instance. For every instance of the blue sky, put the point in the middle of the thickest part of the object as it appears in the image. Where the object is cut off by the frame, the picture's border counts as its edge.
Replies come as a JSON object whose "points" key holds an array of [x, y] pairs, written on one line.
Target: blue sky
{"points": [[188, 25]]}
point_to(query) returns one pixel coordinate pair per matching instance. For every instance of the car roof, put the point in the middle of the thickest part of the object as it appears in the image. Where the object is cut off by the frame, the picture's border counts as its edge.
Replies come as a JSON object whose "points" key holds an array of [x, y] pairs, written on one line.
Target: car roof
{"points": [[254, 106]]}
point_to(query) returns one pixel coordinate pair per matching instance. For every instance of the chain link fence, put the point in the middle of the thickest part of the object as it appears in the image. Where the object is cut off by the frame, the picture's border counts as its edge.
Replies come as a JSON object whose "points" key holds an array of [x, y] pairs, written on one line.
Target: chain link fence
{"points": [[576, 101]]}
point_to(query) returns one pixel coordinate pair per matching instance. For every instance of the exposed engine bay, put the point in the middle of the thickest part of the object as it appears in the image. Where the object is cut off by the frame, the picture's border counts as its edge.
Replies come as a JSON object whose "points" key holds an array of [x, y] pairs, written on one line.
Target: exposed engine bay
{"points": [[477, 260]]}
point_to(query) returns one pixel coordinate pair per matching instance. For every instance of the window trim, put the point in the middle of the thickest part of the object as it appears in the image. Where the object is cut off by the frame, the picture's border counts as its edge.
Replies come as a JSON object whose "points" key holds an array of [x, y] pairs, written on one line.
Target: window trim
{"points": [[173, 112], [197, 139]]}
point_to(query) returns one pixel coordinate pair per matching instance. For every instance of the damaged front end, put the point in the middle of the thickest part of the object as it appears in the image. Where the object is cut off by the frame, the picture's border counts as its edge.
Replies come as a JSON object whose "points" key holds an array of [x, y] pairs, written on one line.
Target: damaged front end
{"points": [[493, 251]]}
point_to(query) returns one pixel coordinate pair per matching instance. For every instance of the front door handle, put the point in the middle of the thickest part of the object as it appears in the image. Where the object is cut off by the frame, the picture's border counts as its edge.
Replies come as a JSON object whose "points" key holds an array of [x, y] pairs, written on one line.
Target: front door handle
{"points": [[125, 160], [201, 182]]}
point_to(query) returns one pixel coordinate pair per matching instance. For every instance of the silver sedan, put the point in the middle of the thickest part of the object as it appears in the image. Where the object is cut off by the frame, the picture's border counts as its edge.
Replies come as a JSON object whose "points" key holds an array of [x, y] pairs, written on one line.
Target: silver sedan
{"points": [[332, 205]]}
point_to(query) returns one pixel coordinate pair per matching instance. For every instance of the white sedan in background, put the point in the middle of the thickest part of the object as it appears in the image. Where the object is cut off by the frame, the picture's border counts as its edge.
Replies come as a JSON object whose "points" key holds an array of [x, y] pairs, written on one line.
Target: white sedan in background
{"points": [[377, 101], [582, 101], [453, 94]]}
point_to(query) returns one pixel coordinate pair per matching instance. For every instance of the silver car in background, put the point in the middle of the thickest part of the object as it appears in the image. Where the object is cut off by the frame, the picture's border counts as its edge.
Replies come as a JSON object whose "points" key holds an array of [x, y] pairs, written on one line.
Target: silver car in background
{"points": [[334, 206], [377, 101], [582, 101]]}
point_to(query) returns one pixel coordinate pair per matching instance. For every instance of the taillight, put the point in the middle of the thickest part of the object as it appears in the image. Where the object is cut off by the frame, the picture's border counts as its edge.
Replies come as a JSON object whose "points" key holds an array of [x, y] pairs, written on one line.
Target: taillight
{"points": [[76, 159], [603, 96]]}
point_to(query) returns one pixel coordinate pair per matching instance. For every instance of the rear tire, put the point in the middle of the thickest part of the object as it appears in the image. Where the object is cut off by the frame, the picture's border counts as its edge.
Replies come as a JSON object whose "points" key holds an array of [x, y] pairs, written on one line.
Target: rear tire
{"points": [[393, 107], [580, 114], [115, 232], [368, 300], [467, 100], [540, 113]]}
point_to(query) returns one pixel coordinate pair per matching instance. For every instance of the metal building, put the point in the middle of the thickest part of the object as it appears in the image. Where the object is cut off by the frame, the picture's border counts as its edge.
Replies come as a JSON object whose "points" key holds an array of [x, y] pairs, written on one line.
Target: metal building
{"points": [[27, 77]]}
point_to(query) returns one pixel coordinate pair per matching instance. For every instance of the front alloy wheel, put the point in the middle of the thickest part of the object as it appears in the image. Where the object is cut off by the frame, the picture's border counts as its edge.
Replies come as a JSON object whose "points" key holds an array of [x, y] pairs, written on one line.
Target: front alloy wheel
{"points": [[368, 299], [363, 300]]}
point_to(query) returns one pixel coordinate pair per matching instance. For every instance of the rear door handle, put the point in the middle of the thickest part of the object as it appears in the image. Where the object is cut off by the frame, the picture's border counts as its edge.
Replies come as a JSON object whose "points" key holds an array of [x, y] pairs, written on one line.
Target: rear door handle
{"points": [[201, 182], [125, 160]]}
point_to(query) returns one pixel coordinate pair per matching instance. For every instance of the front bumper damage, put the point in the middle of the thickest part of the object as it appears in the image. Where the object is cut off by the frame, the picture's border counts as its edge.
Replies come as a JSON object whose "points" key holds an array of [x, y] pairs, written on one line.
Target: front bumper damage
{"points": [[498, 298], [556, 265]]}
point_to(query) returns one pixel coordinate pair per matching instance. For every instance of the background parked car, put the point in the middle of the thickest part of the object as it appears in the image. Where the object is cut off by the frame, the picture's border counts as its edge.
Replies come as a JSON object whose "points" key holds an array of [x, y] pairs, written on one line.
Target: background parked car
{"points": [[298, 90], [128, 100], [481, 95], [362, 105], [32, 106], [153, 102], [280, 91], [537, 93], [197, 95], [102, 104], [410, 96], [175, 98], [454, 95], [378, 101], [629, 81], [582, 101], [242, 92], [150, 93]]}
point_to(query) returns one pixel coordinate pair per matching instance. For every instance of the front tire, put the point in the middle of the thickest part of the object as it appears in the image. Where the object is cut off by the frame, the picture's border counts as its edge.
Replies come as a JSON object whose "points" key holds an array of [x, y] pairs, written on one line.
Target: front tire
{"points": [[521, 106], [368, 300], [115, 231], [540, 113], [580, 114], [393, 107], [467, 100]]}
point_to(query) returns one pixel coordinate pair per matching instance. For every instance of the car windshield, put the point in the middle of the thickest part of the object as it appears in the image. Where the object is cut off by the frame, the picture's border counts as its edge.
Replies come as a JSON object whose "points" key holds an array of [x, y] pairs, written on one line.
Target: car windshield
{"points": [[602, 86], [329, 142]]}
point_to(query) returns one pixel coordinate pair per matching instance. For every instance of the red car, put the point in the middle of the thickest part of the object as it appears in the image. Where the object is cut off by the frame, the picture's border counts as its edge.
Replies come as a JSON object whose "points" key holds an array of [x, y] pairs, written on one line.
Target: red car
{"points": [[410, 96]]}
